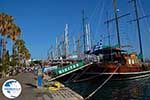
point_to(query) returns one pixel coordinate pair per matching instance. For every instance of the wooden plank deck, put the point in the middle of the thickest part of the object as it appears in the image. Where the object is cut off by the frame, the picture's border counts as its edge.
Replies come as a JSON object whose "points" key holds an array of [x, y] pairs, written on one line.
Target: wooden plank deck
{"points": [[64, 93]]}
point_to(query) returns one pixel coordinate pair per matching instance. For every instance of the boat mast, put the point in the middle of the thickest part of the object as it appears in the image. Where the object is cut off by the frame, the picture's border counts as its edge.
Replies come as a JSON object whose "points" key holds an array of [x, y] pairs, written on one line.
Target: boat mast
{"points": [[138, 27], [57, 54], [66, 41], [108, 30], [78, 44], [117, 22], [51, 53], [84, 33], [88, 38], [74, 45], [58, 45], [89, 30]]}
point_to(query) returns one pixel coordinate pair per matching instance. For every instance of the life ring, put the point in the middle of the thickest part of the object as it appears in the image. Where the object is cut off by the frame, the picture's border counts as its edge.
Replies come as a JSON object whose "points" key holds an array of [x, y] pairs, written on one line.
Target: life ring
{"points": [[55, 87]]}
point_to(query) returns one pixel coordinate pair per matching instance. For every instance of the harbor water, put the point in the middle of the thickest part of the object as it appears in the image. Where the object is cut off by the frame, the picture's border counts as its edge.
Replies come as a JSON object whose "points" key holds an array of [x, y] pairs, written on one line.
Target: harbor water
{"points": [[138, 89]]}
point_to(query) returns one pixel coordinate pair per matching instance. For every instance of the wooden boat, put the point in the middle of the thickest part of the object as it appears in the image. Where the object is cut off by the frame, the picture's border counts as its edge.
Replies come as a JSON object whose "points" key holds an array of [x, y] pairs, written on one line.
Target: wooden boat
{"points": [[130, 67]]}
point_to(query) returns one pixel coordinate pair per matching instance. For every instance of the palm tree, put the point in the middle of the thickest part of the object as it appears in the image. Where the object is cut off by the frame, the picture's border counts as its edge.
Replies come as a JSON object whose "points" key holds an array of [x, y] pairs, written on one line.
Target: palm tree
{"points": [[22, 51], [27, 55], [7, 29], [14, 33], [5, 26]]}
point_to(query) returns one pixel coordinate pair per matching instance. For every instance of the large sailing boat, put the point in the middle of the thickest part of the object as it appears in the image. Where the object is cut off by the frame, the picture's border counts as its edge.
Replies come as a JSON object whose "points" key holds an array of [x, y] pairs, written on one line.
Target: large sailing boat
{"points": [[114, 60], [111, 60]]}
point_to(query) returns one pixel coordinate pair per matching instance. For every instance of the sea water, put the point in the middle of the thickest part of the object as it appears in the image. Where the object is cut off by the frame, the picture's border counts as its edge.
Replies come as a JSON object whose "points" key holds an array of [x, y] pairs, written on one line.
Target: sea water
{"points": [[137, 89]]}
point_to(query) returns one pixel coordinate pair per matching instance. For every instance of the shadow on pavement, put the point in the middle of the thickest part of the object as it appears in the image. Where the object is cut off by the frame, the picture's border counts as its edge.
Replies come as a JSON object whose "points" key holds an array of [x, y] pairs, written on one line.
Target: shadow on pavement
{"points": [[31, 85]]}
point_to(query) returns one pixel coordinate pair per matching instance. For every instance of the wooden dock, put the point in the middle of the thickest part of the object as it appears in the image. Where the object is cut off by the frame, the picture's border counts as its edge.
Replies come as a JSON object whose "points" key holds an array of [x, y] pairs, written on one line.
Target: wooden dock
{"points": [[61, 93], [64, 93]]}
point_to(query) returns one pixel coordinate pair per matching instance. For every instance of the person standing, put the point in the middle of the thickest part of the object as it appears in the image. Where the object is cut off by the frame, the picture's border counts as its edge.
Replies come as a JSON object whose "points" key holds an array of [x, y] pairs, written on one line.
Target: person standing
{"points": [[40, 77]]}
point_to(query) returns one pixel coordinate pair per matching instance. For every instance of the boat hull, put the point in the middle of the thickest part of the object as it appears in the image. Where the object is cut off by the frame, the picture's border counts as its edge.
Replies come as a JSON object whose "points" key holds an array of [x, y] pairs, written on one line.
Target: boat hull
{"points": [[103, 71]]}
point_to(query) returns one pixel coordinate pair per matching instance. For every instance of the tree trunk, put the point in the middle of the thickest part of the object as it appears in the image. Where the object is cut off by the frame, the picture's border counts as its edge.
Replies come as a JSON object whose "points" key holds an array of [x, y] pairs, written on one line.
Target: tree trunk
{"points": [[3, 54], [4, 46], [13, 48], [3, 74]]}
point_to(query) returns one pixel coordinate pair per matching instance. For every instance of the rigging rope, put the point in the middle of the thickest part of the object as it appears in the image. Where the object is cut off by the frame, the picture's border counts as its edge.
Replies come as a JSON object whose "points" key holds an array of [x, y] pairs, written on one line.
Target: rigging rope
{"points": [[94, 11], [103, 83], [94, 20], [146, 20], [132, 29], [100, 17]]}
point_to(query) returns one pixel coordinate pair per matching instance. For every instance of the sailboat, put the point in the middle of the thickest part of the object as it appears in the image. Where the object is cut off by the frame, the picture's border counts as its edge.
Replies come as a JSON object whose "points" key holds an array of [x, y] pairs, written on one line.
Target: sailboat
{"points": [[129, 65], [110, 60]]}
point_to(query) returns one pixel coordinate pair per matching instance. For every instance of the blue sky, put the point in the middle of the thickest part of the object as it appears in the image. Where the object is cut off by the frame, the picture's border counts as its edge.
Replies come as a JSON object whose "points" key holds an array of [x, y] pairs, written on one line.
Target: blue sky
{"points": [[42, 20]]}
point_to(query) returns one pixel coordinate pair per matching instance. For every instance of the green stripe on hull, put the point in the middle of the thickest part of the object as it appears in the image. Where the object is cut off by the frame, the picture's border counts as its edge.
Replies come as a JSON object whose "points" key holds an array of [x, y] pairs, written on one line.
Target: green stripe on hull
{"points": [[68, 68]]}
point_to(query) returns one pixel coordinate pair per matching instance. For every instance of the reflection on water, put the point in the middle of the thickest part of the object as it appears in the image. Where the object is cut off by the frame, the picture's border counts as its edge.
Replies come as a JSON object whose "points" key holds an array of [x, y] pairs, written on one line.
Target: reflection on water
{"points": [[115, 90]]}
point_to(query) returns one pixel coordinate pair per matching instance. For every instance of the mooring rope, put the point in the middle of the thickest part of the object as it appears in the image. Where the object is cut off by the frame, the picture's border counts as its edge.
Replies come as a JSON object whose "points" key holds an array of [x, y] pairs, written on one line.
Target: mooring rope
{"points": [[78, 76], [88, 79], [102, 84]]}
